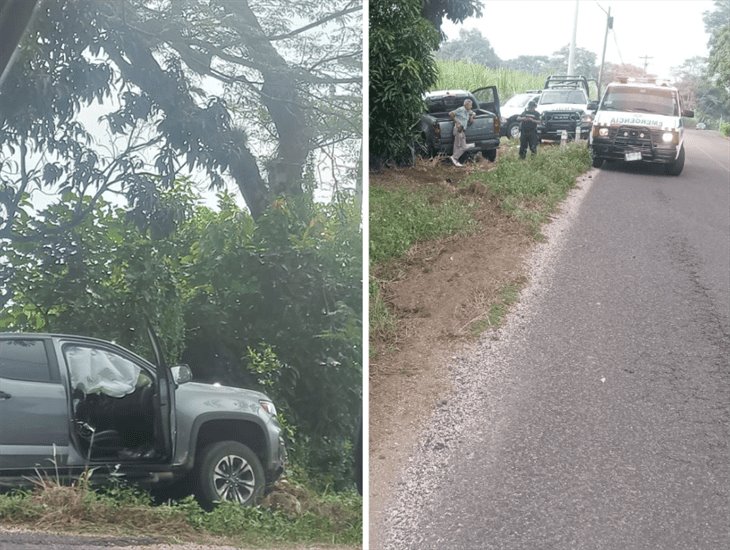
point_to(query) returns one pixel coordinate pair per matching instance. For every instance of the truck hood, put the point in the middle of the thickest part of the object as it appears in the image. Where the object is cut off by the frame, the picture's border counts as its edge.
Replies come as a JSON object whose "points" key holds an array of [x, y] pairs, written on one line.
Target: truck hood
{"points": [[211, 397], [507, 112], [617, 118]]}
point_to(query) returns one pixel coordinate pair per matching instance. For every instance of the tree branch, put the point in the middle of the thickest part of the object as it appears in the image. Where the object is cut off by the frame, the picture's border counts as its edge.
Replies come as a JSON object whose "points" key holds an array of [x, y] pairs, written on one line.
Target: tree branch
{"points": [[348, 10]]}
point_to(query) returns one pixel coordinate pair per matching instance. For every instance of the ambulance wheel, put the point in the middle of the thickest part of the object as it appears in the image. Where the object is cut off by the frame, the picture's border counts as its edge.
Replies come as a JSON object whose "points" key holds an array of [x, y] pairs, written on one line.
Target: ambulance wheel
{"points": [[675, 168]]}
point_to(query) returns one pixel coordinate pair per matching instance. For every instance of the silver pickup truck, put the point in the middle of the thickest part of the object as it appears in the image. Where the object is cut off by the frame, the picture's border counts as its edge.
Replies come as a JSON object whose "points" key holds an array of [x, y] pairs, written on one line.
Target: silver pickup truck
{"points": [[73, 403], [437, 127]]}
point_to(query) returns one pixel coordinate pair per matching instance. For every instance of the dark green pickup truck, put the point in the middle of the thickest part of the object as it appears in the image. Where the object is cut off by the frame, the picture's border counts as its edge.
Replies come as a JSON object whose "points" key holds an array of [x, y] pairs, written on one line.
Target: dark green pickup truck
{"points": [[437, 127]]}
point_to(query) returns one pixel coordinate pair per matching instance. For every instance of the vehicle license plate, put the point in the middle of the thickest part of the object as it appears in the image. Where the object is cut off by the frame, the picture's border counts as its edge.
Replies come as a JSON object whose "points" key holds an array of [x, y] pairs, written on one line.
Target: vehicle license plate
{"points": [[634, 155]]}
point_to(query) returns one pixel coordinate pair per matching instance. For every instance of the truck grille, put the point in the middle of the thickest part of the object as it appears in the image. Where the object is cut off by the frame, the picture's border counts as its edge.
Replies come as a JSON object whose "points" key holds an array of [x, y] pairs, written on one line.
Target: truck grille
{"points": [[637, 138], [561, 120], [562, 117]]}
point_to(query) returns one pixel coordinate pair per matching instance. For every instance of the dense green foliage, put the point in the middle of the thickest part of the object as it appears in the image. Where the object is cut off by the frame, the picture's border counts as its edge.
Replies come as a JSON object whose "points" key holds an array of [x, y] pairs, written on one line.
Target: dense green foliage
{"points": [[717, 24], [274, 304], [401, 70], [455, 10], [704, 82]]}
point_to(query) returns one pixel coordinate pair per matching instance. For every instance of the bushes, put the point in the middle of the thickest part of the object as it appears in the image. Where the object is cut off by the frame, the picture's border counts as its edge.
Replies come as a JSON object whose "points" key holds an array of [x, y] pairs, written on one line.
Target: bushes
{"points": [[402, 69]]}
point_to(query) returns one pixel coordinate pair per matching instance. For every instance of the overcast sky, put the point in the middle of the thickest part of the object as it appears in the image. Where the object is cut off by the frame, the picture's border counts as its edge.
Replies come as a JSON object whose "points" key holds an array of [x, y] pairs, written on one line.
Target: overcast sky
{"points": [[668, 31]]}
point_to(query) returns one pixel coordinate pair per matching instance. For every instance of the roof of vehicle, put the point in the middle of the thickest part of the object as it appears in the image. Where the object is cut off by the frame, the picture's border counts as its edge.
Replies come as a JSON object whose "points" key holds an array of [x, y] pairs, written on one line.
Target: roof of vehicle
{"points": [[642, 83], [49, 335], [439, 93]]}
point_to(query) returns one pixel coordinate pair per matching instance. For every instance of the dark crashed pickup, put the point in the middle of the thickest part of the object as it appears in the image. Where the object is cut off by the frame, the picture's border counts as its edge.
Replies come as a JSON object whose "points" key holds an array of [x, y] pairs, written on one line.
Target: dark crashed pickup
{"points": [[437, 127]]}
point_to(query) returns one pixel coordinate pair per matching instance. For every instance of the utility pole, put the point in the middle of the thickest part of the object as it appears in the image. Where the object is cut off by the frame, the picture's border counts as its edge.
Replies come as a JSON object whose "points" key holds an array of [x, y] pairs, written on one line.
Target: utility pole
{"points": [[609, 25], [646, 61], [571, 52]]}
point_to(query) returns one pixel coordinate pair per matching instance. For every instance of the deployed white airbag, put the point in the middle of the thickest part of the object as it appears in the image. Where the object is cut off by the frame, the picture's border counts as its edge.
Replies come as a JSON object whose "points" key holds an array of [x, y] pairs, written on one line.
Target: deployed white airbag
{"points": [[98, 371]]}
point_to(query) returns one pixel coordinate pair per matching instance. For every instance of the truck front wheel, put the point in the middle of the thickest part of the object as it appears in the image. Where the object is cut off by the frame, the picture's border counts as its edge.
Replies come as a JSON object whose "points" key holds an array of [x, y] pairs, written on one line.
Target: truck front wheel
{"points": [[228, 471], [675, 168], [491, 155]]}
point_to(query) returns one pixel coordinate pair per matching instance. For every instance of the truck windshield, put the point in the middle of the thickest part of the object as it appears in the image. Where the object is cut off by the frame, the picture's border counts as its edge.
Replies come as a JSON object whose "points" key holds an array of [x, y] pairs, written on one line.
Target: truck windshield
{"points": [[550, 97], [448, 103], [657, 101]]}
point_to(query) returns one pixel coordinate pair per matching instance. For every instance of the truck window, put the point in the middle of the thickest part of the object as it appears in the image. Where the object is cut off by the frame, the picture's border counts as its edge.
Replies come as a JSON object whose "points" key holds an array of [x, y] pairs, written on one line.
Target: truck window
{"points": [[446, 104], [550, 97], [24, 360], [641, 100]]}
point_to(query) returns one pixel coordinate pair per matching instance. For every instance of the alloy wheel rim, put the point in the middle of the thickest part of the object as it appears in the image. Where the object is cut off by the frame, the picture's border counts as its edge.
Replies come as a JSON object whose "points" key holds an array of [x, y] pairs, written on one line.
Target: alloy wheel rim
{"points": [[234, 479]]}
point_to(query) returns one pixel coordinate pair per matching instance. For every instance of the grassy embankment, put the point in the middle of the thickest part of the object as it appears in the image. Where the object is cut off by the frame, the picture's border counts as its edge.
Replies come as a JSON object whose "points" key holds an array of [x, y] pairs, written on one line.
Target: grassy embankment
{"points": [[294, 517], [526, 190]]}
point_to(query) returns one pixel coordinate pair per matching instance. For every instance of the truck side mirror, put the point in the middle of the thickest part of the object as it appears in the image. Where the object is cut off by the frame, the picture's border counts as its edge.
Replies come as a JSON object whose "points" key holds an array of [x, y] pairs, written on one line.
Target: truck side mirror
{"points": [[181, 374], [688, 113], [592, 105]]}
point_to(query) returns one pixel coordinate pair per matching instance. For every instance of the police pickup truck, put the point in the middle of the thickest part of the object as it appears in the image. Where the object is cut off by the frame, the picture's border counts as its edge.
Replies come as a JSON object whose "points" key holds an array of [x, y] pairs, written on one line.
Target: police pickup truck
{"points": [[436, 127], [564, 105], [640, 121]]}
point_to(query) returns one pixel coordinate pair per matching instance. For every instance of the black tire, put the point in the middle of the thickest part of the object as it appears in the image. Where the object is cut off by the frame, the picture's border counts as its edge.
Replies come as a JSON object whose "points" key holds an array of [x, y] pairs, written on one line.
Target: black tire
{"points": [[490, 155], [426, 148], [675, 168], [513, 130], [597, 162], [228, 471]]}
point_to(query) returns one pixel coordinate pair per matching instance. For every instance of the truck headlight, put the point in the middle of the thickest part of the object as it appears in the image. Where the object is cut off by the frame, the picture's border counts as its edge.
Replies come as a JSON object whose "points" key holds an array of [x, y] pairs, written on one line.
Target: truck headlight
{"points": [[603, 132], [670, 137], [268, 406]]}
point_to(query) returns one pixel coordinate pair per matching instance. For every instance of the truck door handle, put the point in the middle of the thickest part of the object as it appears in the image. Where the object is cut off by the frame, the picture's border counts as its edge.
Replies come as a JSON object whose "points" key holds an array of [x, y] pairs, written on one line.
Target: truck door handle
{"points": [[4, 395]]}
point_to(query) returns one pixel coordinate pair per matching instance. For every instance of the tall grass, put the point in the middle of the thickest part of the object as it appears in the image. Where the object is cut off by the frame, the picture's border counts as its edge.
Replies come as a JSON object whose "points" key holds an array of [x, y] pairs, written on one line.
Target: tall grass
{"points": [[531, 189], [401, 217], [470, 76], [291, 514]]}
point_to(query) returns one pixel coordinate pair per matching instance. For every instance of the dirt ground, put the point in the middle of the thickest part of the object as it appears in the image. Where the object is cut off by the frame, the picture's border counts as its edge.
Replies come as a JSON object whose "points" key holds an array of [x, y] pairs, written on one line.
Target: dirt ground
{"points": [[438, 292]]}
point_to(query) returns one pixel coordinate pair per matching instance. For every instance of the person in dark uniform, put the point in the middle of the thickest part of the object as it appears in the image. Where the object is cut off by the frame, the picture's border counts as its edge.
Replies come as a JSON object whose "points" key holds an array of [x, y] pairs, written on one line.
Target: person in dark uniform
{"points": [[528, 120]]}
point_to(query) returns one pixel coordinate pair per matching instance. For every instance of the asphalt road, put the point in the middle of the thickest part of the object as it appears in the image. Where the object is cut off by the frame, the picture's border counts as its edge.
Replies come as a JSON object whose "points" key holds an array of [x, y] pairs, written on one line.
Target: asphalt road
{"points": [[600, 418]]}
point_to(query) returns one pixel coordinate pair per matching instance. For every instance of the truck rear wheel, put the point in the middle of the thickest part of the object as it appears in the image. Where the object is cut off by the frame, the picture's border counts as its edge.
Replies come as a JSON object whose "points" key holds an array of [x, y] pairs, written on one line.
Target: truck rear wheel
{"points": [[228, 471]]}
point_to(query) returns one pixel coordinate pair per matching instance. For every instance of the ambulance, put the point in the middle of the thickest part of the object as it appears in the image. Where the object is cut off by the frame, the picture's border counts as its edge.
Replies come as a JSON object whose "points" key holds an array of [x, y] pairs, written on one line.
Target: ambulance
{"points": [[640, 121]]}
